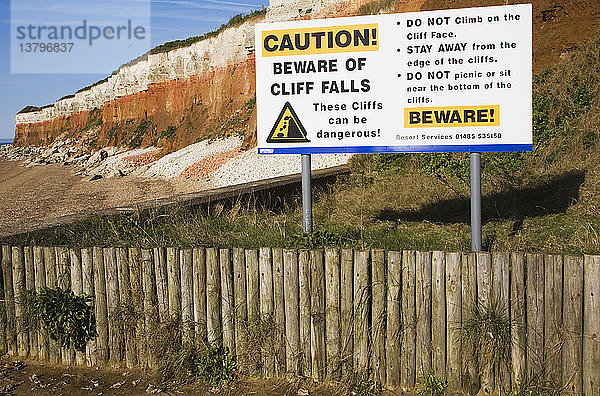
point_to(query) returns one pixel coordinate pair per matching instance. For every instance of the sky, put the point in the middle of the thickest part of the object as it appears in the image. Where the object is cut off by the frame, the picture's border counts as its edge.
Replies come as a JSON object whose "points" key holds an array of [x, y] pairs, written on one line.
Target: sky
{"points": [[170, 20]]}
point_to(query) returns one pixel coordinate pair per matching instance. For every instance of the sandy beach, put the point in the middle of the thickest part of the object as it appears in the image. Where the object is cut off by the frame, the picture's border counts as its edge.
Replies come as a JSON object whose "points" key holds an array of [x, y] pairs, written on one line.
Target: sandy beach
{"points": [[31, 195]]}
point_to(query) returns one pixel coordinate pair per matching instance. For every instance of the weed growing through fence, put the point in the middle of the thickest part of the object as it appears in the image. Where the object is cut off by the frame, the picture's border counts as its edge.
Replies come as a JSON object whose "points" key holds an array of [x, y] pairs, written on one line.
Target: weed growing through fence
{"points": [[431, 385], [69, 318], [487, 334], [190, 364], [534, 385], [366, 388]]}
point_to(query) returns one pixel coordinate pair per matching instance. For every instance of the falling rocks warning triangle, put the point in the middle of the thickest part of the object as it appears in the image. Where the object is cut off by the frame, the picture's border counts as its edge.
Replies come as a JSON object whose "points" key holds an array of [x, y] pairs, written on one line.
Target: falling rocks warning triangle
{"points": [[288, 128]]}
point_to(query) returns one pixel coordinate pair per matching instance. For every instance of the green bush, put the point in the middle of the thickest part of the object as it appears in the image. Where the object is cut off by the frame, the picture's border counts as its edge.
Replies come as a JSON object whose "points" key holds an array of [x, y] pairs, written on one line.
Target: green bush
{"points": [[69, 318], [138, 135], [430, 385], [211, 366], [366, 388], [169, 132]]}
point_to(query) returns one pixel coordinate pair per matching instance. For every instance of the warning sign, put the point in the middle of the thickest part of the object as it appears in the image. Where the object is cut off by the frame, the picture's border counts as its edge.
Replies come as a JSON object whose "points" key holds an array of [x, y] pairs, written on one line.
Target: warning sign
{"points": [[432, 81], [288, 128]]}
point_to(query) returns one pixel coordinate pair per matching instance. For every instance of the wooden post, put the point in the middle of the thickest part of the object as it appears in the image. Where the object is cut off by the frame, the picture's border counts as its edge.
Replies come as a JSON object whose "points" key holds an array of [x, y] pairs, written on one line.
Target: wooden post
{"points": [[253, 304], [438, 314], [213, 297], [18, 270], [9, 297], [187, 295], [535, 313], [51, 282], [572, 353], [30, 285], [174, 283], [241, 310], [87, 273], [199, 280], [394, 319], [362, 304], [63, 278], [317, 318], [151, 306], [332, 312], [137, 299], [40, 283], [453, 319], [423, 308], [113, 304], [160, 271], [266, 309], [553, 322], [227, 303], [77, 288], [484, 296], [378, 315], [470, 379], [101, 306], [347, 310], [408, 362], [3, 308], [292, 319], [591, 325], [500, 294], [279, 312], [304, 314], [128, 338], [517, 317]]}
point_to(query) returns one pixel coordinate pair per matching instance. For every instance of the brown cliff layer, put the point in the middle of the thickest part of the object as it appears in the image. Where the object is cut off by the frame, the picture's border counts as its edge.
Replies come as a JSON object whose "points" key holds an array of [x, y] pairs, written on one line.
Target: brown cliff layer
{"points": [[172, 114], [177, 113]]}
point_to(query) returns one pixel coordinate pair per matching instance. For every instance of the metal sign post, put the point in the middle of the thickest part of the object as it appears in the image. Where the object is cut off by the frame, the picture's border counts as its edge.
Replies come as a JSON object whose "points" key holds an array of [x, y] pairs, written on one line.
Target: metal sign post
{"points": [[307, 224], [476, 202]]}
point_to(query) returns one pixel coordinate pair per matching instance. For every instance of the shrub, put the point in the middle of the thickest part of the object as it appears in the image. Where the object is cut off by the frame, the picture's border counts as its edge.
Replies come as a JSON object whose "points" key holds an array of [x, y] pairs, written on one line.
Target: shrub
{"points": [[366, 388], [169, 132], [138, 135], [69, 318], [211, 366], [430, 385]]}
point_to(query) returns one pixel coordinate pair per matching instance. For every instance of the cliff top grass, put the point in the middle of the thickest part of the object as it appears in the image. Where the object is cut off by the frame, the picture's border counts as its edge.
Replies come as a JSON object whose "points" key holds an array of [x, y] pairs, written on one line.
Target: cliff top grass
{"points": [[547, 200]]}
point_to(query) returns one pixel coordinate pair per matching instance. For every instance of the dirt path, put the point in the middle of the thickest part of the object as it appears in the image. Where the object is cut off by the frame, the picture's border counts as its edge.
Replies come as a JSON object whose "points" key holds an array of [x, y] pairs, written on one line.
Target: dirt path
{"points": [[29, 378], [29, 195]]}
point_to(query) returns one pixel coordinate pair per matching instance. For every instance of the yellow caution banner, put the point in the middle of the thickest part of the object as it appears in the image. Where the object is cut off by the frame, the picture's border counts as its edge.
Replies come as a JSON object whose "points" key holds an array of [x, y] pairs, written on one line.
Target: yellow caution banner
{"points": [[320, 40], [454, 116]]}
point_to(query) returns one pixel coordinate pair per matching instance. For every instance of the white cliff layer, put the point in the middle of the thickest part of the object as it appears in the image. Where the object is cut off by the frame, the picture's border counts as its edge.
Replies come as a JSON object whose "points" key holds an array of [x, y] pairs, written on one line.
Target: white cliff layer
{"points": [[232, 45]]}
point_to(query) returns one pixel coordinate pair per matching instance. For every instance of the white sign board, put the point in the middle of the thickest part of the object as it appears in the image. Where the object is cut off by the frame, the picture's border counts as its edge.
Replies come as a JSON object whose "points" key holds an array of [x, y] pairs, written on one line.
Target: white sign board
{"points": [[438, 81]]}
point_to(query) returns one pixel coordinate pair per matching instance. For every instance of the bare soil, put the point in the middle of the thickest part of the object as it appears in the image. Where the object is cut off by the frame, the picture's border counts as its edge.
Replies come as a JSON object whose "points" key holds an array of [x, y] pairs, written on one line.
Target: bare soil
{"points": [[28, 196], [31, 378]]}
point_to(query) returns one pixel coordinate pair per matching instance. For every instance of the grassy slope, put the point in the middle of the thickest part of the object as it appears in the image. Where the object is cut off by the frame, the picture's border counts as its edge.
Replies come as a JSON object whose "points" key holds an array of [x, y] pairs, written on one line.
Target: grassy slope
{"points": [[546, 201]]}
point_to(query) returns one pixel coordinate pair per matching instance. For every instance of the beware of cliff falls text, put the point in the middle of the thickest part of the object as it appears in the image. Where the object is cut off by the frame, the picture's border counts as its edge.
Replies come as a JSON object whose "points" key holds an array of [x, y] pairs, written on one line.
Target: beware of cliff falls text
{"points": [[434, 81]]}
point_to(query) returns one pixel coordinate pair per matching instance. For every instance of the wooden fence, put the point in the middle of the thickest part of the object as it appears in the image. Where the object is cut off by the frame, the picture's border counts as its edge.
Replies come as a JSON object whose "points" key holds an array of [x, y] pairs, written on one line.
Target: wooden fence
{"points": [[388, 315]]}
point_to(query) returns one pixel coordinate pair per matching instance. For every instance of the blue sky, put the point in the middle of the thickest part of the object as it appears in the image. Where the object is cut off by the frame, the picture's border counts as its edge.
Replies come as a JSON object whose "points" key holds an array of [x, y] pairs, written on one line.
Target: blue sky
{"points": [[170, 20]]}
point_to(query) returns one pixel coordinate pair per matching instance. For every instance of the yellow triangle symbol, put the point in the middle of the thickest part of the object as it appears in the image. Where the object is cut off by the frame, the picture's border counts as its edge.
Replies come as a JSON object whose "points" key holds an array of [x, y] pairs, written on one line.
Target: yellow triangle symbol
{"points": [[288, 128]]}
